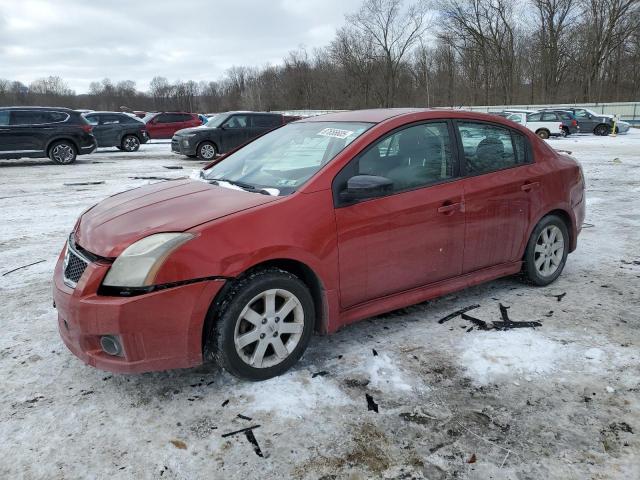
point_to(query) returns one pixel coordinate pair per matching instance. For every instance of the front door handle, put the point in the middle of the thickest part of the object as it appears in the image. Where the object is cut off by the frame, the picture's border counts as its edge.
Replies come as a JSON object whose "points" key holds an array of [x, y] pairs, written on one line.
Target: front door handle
{"points": [[527, 187], [448, 208]]}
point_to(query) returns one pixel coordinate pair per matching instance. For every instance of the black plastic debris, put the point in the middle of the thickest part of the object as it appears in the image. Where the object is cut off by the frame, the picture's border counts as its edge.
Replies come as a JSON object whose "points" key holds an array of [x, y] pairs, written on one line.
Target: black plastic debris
{"points": [[549, 313], [252, 440], [225, 403], [371, 405], [504, 312], [558, 297], [481, 324], [23, 266], [243, 417], [375, 353], [242, 430], [457, 313], [319, 374], [172, 167], [510, 324], [79, 184], [151, 178]]}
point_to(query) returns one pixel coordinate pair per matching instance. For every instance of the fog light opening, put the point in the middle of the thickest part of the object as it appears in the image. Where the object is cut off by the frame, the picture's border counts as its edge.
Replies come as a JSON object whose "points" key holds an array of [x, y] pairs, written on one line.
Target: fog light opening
{"points": [[111, 345]]}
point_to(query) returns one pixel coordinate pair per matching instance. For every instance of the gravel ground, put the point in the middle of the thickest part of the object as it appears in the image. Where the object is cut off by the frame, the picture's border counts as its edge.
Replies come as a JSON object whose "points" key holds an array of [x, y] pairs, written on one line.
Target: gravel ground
{"points": [[397, 396]]}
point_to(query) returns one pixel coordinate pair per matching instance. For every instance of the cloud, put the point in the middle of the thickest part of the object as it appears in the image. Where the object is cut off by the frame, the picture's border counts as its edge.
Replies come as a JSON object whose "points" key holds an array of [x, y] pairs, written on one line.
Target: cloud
{"points": [[192, 39]]}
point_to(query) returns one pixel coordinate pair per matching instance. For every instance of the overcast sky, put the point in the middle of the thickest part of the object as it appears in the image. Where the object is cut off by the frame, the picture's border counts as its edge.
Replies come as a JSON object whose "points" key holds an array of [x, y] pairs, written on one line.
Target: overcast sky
{"points": [[86, 40]]}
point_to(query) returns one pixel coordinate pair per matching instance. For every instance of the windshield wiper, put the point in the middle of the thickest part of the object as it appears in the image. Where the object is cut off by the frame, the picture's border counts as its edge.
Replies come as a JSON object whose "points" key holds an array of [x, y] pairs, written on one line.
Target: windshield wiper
{"points": [[246, 186]]}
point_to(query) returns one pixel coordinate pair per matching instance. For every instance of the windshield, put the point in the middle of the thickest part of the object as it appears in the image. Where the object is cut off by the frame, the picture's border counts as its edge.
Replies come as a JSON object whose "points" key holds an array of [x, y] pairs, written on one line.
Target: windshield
{"points": [[149, 116], [282, 160], [216, 120]]}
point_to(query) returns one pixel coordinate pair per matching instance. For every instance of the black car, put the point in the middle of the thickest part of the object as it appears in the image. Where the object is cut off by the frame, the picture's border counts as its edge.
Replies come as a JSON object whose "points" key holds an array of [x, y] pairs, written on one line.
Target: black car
{"points": [[117, 129], [38, 132], [223, 132]]}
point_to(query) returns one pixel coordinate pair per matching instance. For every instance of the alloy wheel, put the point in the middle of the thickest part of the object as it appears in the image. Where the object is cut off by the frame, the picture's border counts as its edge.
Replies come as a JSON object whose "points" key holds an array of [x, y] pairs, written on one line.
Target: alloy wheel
{"points": [[131, 144], [207, 151], [269, 328], [549, 250], [62, 153]]}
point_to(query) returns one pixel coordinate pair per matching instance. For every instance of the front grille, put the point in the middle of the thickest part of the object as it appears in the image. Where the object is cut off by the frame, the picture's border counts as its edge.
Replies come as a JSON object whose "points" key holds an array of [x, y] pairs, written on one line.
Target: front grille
{"points": [[175, 145], [74, 267]]}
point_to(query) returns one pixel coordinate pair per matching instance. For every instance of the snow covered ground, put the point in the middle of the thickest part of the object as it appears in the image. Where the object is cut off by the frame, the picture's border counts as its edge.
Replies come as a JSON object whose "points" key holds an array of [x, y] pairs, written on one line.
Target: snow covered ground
{"points": [[561, 401]]}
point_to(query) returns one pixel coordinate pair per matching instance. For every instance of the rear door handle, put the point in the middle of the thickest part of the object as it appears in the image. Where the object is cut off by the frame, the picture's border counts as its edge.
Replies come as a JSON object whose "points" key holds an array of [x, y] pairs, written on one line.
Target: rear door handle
{"points": [[448, 208], [527, 187]]}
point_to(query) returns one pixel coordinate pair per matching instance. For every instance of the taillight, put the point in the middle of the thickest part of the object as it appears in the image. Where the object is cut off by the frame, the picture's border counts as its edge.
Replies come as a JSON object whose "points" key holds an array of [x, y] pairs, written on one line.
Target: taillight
{"points": [[574, 123], [86, 128], [561, 126]]}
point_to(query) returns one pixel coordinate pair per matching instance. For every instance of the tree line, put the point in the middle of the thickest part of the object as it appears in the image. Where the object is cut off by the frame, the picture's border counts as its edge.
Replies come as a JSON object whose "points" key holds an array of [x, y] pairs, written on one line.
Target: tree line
{"points": [[419, 53]]}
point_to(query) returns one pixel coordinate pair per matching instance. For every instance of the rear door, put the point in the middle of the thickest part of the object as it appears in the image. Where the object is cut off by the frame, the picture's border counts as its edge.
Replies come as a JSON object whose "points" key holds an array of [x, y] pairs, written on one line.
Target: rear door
{"points": [[501, 184], [28, 130], [415, 235]]}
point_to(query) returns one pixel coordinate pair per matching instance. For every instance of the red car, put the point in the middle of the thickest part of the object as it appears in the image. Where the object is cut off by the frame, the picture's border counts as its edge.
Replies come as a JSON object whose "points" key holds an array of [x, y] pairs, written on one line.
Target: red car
{"points": [[315, 225], [166, 124]]}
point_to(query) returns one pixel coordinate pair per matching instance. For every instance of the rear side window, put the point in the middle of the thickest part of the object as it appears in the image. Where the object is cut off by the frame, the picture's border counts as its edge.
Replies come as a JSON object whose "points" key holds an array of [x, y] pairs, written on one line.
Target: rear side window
{"points": [[4, 117], [534, 117], [489, 147], [549, 117], [413, 157], [36, 117], [264, 121], [168, 118]]}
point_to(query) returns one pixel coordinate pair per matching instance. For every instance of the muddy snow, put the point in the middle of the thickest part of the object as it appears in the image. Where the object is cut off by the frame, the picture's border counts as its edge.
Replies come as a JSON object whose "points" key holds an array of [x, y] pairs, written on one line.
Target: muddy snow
{"points": [[397, 396]]}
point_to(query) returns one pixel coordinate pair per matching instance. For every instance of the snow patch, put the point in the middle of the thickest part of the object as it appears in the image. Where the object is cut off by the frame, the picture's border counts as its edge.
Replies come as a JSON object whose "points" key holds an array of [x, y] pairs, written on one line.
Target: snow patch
{"points": [[492, 355], [292, 395], [385, 375]]}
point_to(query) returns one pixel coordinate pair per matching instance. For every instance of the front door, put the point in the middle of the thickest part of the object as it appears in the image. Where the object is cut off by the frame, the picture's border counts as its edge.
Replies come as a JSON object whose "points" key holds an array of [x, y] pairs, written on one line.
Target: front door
{"points": [[413, 236], [235, 131], [500, 187]]}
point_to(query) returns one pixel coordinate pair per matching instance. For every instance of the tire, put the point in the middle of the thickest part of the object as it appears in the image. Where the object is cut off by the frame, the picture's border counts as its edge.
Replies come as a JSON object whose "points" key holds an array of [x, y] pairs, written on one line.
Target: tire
{"points": [[206, 151], [130, 143], [565, 132], [602, 130], [542, 253], [244, 317], [543, 133], [63, 152]]}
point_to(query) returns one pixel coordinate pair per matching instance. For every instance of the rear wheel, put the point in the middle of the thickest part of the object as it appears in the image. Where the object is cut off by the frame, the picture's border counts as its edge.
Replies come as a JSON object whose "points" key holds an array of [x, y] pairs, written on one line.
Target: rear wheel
{"points": [[602, 130], [543, 133], [206, 151], [130, 143], [547, 250], [62, 152], [565, 131], [265, 325]]}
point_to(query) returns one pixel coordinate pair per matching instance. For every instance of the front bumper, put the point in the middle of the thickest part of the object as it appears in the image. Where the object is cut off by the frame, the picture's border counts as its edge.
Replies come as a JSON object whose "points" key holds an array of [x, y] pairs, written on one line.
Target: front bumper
{"points": [[183, 146], [161, 330]]}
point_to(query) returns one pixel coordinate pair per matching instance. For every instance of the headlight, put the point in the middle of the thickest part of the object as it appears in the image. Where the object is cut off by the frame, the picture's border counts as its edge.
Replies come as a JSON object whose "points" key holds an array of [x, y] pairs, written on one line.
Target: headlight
{"points": [[138, 264]]}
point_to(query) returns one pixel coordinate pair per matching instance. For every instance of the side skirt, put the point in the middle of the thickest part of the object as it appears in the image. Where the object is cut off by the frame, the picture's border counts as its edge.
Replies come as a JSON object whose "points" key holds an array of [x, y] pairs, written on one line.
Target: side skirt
{"points": [[421, 294]]}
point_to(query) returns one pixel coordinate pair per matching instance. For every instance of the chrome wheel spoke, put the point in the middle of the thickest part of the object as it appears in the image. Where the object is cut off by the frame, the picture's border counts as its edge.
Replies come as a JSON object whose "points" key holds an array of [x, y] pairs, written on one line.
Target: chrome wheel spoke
{"points": [[539, 248], [287, 308], [251, 316], [270, 303], [279, 348], [290, 327], [258, 354], [248, 338]]}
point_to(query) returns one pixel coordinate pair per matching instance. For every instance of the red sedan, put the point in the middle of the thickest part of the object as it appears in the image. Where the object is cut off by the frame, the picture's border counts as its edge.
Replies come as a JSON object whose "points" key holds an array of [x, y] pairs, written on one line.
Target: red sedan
{"points": [[315, 225]]}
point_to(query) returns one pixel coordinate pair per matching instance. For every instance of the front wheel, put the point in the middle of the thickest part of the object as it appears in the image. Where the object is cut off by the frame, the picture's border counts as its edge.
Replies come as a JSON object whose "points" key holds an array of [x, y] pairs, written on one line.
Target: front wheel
{"points": [[130, 143], [63, 152], [547, 250], [264, 325], [206, 151]]}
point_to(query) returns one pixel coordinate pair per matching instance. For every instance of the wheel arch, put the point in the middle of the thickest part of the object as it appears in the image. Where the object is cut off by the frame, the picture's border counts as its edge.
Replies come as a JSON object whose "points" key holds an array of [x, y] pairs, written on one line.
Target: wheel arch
{"points": [[569, 221], [60, 139], [301, 270]]}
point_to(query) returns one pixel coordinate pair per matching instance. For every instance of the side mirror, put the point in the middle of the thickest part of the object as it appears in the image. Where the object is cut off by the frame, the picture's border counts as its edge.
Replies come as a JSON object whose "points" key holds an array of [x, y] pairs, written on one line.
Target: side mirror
{"points": [[362, 187]]}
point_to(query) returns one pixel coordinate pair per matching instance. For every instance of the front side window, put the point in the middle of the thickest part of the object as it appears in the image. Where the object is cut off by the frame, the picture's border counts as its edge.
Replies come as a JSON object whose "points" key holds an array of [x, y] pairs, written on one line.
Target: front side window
{"points": [[412, 157], [491, 148], [92, 119], [582, 114], [284, 159], [534, 117], [4, 117], [237, 121]]}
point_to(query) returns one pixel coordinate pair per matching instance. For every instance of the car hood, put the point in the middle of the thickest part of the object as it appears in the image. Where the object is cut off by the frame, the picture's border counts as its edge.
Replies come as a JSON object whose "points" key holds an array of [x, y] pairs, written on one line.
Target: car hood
{"points": [[173, 206], [200, 128]]}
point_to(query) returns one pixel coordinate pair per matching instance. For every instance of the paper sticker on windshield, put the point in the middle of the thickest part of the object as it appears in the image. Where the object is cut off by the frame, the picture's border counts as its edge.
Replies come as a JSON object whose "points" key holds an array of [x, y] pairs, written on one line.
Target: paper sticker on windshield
{"points": [[335, 133]]}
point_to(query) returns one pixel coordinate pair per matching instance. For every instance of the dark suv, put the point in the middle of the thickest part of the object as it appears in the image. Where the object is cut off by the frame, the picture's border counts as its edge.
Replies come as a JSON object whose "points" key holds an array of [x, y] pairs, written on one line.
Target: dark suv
{"points": [[223, 132], [37, 132], [117, 129]]}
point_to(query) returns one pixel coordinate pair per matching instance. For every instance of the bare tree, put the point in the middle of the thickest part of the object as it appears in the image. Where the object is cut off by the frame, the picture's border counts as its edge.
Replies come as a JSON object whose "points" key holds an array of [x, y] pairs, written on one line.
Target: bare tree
{"points": [[394, 30]]}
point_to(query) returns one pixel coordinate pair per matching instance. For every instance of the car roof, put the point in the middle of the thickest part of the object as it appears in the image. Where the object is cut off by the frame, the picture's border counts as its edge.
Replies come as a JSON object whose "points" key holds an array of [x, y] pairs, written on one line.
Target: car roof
{"points": [[249, 111], [373, 115], [49, 109], [107, 111]]}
